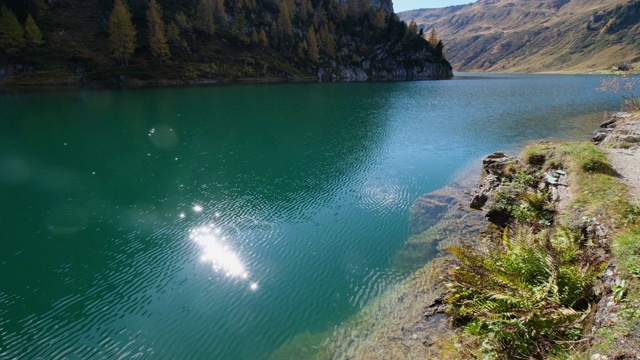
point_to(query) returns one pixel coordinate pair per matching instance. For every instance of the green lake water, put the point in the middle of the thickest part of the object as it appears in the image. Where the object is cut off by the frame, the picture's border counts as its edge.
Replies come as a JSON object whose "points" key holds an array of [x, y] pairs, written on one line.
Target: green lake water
{"points": [[218, 223]]}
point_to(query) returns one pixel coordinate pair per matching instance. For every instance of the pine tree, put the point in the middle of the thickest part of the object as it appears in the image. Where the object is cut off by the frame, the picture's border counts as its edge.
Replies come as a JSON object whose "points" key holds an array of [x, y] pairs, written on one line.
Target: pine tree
{"points": [[32, 32], [157, 38], [204, 19], [122, 33], [11, 32]]}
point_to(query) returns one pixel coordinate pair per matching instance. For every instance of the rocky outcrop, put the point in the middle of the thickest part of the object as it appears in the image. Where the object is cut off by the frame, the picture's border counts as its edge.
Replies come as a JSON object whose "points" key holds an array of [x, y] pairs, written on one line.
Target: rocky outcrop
{"points": [[494, 167], [615, 132], [497, 176], [384, 65]]}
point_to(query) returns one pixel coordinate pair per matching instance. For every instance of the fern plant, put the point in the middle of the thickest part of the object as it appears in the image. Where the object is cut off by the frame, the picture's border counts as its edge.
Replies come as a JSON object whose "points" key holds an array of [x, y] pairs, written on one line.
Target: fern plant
{"points": [[523, 295]]}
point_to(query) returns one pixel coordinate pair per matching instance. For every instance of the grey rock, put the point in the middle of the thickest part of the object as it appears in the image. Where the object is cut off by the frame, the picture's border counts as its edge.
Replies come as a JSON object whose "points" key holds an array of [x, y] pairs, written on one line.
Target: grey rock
{"points": [[478, 201], [609, 122], [495, 163], [621, 115], [630, 138]]}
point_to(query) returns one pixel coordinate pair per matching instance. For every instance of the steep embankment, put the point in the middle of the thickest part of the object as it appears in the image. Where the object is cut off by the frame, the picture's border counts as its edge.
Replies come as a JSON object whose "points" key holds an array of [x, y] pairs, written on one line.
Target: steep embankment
{"points": [[536, 35], [211, 41]]}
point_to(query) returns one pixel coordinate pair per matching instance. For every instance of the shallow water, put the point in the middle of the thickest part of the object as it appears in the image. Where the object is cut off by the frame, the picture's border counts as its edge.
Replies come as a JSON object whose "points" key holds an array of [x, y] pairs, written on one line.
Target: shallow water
{"points": [[218, 223]]}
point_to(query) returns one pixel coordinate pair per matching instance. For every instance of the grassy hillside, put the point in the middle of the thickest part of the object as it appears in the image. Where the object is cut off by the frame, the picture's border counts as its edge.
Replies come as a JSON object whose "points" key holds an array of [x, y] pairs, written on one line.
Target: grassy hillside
{"points": [[536, 35], [240, 40]]}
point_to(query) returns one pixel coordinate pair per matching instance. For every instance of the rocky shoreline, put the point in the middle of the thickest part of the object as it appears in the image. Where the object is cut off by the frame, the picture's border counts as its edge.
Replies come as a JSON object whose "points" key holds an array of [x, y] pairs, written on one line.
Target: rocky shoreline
{"points": [[324, 75], [409, 321]]}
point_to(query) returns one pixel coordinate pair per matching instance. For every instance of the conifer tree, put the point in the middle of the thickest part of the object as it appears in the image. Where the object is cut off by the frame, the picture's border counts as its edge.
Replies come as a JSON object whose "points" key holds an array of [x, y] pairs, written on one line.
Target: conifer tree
{"points": [[433, 38], [412, 29], [305, 9], [312, 43], [220, 14], [11, 32], [379, 20], [32, 33], [255, 40], [204, 18], [157, 38], [264, 42], [327, 41], [284, 21], [183, 23], [122, 33], [37, 8], [173, 36], [303, 48]]}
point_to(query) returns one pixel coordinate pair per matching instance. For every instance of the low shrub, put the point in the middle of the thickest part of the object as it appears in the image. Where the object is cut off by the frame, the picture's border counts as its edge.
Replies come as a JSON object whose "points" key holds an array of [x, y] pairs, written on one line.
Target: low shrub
{"points": [[524, 296]]}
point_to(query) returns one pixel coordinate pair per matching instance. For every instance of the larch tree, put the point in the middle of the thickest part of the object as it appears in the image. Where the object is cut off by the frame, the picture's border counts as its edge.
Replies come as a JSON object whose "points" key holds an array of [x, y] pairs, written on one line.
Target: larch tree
{"points": [[327, 41], [220, 14], [312, 43], [32, 33], [204, 17], [433, 38], [122, 33], [379, 20], [412, 29], [37, 8], [285, 26], [11, 32], [157, 37], [264, 41]]}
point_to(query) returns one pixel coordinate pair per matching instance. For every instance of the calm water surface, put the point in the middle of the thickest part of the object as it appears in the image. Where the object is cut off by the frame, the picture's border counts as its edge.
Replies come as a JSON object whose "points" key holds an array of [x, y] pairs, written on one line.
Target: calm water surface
{"points": [[217, 223]]}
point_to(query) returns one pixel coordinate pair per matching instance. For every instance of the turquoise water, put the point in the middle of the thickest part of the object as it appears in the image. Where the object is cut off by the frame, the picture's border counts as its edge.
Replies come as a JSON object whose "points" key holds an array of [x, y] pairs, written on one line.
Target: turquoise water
{"points": [[218, 223]]}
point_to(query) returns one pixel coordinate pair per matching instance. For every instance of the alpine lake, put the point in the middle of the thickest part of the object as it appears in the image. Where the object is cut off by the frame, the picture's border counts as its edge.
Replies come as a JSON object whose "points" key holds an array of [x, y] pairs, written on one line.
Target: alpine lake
{"points": [[221, 222]]}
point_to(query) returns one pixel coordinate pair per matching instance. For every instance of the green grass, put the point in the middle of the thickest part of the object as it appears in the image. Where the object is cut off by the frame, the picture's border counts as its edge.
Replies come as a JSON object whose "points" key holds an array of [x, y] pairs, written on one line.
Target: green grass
{"points": [[534, 155], [492, 312], [595, 191]]}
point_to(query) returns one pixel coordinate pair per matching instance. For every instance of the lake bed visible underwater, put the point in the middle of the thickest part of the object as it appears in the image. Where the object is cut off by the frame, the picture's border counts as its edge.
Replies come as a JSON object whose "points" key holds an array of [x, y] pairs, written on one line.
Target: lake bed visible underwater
{"points": [[219, 223]]}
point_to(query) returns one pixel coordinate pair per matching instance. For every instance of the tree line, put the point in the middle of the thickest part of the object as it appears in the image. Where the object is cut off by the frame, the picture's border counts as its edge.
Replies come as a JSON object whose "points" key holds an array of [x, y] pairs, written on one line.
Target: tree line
{"points": [[165, 31]]}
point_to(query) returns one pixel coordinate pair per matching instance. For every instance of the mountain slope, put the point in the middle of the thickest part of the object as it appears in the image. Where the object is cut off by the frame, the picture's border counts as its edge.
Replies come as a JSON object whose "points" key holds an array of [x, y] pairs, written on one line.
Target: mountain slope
{"points": [[234, 40], [536, 35]]}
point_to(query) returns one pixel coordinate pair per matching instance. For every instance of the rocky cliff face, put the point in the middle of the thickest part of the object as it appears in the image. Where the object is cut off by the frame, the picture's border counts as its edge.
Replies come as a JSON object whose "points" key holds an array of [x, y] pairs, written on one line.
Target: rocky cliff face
{"points": [[536, 35], [410, 66]]}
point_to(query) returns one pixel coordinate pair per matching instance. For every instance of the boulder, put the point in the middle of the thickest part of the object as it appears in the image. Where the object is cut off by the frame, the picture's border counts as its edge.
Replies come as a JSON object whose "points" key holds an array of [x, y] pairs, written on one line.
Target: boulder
{"points": [[495, 164]]}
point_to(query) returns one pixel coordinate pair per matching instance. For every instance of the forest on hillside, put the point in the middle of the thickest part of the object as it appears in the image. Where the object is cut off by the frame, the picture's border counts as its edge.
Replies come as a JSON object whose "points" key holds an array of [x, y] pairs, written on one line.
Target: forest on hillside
{"points": [[210, 39]]}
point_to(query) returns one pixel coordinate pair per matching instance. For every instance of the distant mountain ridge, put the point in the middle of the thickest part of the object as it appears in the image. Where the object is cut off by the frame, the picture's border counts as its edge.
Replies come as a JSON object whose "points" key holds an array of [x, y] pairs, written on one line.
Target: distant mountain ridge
{"points": [[535, 35]]}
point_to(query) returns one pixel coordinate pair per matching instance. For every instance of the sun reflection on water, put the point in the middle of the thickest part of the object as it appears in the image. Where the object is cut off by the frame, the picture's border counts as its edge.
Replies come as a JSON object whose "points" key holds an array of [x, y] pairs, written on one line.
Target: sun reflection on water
{"points": [[216, 251]]}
